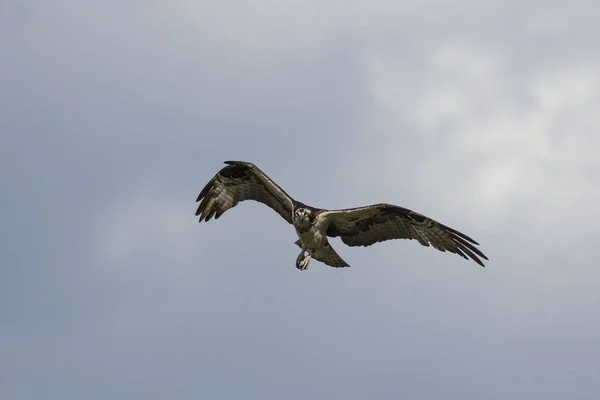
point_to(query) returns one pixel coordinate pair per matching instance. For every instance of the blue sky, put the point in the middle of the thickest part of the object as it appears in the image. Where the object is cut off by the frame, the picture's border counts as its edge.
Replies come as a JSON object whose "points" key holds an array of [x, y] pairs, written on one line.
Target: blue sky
{"points": [[113, 116]]}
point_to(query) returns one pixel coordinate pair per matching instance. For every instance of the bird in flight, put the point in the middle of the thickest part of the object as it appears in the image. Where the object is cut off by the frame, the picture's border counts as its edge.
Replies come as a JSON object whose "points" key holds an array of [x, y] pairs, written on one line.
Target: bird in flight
{"points": [[360, 226]]}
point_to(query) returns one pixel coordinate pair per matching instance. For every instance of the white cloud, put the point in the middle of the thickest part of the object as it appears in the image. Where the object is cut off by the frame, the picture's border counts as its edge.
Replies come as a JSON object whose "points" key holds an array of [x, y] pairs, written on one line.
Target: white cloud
{"points": [[509, 156]]}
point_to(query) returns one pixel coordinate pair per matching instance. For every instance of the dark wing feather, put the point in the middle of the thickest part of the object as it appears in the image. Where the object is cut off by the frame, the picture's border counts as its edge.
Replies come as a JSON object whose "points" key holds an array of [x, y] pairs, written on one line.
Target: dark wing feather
{"points": [[240, 181], [364, 226]]}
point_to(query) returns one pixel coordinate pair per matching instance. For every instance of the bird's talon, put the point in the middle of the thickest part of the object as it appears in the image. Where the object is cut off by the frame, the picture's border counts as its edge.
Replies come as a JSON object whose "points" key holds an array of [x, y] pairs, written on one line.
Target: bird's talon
{"points": [[303, 264]]}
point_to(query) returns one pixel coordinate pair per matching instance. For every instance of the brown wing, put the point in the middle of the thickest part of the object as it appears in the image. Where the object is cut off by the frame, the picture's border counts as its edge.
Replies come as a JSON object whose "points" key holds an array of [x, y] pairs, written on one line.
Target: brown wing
{"points": [[364, 226], [240, 181]]}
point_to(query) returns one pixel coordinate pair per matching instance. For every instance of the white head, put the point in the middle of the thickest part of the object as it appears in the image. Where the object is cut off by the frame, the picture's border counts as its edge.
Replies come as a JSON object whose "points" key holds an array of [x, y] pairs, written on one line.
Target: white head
{"points": [[302, 217]]}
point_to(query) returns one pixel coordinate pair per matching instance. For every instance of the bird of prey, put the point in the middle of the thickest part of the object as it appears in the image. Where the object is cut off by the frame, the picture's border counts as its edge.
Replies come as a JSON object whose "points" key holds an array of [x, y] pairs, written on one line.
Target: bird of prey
{"points": [[360, 226]]}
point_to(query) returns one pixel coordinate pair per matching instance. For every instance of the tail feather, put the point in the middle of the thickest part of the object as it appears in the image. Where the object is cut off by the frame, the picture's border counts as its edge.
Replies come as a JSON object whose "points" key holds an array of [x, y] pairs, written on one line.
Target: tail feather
{"points": [[327, 255]]}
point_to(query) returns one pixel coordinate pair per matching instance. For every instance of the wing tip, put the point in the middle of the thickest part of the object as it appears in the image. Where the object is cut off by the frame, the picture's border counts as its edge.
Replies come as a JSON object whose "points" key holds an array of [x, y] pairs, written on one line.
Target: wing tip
{"points": [[462, 235], [471, 251], [206, 189], [475, 257], [478, 261]]}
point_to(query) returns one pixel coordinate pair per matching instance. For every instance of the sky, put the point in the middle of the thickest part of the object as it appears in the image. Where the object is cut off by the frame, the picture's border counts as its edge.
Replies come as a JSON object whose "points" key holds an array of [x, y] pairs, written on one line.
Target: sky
{"points": [[479, 114]]}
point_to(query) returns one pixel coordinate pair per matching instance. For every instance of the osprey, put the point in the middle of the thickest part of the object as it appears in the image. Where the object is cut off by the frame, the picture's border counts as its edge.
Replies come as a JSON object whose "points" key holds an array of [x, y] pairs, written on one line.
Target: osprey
{"points": [[360, 226]]}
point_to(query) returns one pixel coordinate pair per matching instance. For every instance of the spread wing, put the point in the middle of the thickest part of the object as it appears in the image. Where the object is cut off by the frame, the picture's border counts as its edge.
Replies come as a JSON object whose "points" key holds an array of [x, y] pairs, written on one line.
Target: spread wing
{"points": [[364, 226], [240, 181]]}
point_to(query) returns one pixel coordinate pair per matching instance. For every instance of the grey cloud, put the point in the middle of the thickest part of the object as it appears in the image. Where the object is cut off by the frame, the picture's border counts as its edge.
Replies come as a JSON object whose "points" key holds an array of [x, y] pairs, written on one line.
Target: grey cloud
{"points": [[116, 116]]}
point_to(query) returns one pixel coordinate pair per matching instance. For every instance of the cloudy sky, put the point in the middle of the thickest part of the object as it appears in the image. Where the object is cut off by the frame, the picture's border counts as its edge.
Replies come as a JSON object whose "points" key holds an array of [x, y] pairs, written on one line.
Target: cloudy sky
{"points": [[114, 114]]}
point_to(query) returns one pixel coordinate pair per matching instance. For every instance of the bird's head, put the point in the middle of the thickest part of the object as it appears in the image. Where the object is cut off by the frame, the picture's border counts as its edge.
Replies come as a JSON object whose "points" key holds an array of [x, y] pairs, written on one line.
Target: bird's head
{"points": [[302, 217]]}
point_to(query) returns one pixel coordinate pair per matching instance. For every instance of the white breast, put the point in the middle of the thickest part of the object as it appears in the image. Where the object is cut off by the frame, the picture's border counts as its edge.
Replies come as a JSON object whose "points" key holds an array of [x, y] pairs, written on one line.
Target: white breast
{"points": [[311, 239]]}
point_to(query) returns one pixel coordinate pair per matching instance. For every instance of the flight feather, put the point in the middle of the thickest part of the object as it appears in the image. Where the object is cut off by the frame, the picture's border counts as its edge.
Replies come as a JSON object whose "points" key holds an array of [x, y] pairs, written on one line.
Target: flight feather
{"points": [[240, 181], [364, 226]]}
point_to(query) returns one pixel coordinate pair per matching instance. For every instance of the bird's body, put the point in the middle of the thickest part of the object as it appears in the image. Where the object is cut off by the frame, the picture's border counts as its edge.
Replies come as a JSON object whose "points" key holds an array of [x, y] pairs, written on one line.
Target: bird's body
{"points": [[311, 229], [360, 226]]}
